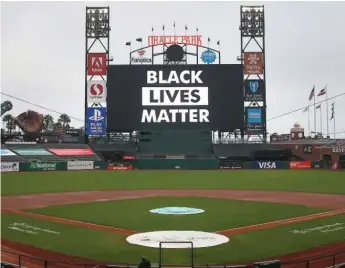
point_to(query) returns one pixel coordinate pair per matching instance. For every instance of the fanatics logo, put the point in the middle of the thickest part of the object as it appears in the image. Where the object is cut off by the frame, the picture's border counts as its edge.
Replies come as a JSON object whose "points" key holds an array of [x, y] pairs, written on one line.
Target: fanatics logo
{"points": [[96, 64]]}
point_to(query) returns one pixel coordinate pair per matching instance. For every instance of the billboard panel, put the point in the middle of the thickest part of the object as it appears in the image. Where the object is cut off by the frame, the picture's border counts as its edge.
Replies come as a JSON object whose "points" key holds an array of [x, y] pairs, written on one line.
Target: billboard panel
{"points": [[254, 90], [67, 152], [96, 121], [97, 64], [33, 152], [96, 91], [5, 152], [179, 96], [253, 63], [254, 118]]}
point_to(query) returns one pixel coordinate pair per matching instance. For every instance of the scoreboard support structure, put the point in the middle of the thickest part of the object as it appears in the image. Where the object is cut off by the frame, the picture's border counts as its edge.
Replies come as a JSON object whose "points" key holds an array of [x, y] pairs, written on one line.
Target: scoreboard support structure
{"points": [[97, 43], [252, 57]]}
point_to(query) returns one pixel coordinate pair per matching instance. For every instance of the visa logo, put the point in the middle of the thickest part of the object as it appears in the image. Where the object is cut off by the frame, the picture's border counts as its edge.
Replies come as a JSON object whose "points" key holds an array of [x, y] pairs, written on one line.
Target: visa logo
{"points": [[267, 165]]}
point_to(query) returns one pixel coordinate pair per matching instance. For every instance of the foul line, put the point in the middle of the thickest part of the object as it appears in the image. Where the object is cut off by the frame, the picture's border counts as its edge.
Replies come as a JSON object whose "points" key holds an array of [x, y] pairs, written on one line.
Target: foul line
{"points": [[232, 231], [70, 222], [271, 224]]}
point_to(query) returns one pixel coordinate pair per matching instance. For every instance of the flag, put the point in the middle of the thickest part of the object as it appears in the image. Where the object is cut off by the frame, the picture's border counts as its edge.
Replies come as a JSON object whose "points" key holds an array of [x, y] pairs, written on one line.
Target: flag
{"points": [[128, 43], [306, 109], [332, 116], [163, 27], [139, 39], [312, 94], [174, 24], [218, 43], [152, 29], [208, 39], [322, 92], [185, 27], [197, 29], [318, 107]]}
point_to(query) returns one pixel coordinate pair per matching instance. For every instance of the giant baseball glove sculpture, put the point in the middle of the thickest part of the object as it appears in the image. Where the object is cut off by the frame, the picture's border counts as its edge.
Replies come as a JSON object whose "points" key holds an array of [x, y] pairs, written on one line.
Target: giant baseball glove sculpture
{"points": [[30, 122]]}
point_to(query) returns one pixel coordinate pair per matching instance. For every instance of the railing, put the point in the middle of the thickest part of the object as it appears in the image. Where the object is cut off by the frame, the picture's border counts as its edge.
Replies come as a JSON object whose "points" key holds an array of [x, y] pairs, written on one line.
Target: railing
{"points": [[14, 259]]}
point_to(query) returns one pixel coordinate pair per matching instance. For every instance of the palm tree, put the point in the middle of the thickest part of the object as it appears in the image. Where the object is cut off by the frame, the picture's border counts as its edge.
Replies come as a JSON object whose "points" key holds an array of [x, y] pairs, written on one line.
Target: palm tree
{"points": [[10, 124], [64, 119], [48, 120], [6, 118], [57, 126]]}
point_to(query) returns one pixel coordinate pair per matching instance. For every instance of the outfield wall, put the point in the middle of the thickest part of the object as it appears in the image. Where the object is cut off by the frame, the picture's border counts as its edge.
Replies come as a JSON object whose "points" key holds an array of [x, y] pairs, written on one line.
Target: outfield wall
{"points": [[142, 164]]}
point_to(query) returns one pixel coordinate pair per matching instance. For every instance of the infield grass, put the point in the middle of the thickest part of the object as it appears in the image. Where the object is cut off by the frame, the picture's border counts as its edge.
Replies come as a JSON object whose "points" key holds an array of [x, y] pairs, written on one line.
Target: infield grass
{"points": [[220, 214], [105, 246], [317, 181]]}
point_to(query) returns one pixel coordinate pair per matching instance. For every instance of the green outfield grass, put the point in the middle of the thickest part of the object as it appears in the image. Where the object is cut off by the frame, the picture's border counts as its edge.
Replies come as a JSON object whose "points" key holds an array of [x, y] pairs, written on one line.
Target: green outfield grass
{"points": [[220, 214], [105, 246], [317, 181]]}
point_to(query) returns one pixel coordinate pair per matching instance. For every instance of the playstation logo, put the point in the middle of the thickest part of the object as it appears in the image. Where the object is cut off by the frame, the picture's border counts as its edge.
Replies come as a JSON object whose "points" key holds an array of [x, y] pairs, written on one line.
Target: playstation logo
{"points": [[97, 116]]}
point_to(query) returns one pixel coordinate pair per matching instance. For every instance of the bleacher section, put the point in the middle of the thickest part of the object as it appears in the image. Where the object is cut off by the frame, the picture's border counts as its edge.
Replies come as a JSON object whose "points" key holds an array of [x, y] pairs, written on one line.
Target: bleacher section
{"points": [[49, 152], [9, 156]]}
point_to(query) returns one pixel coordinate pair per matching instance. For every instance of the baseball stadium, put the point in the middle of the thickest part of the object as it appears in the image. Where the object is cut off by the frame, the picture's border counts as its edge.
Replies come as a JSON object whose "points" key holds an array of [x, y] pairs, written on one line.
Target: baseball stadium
{"points": [[174, 166]]}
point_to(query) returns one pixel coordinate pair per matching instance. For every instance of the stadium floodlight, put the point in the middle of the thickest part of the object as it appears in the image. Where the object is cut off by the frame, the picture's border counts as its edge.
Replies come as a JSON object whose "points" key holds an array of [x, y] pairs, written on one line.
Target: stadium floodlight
{"points": [[252, 21], [97, 22]]}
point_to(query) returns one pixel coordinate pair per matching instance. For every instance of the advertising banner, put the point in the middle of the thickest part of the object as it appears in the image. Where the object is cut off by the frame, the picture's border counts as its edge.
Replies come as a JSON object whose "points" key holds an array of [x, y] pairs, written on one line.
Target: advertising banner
{"points": [[97, 64], [43, 166], [271, 165], [96, 121], [140, 57], [100, 165], [266, 164], [254, 90], [9, 166], [79, 165], [96, 91], [204, 96], [66, 152], [119, 167], [33, 152], [254, 118], [5, 152], [253, 63], [300, 165], [230, 165]]}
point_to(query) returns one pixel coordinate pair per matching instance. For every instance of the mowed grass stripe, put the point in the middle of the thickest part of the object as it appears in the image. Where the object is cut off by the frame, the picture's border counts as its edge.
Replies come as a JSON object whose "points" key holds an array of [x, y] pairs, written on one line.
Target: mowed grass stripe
{"points": [[317, 181], [112, 247], [219, 214]]}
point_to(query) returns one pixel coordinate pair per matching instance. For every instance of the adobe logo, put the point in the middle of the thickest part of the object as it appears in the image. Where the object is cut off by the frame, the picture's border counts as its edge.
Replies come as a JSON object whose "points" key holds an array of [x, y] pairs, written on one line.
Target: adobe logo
{"points": [[97, 64]]}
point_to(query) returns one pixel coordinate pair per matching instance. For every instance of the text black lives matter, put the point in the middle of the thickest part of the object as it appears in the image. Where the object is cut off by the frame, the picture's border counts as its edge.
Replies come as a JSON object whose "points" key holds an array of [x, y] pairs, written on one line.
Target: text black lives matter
{"points": [[184, 96], [174, 96]]}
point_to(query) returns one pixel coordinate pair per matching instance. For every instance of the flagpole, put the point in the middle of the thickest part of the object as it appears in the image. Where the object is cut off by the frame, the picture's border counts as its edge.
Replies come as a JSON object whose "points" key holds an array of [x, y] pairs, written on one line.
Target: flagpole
{"points": [[309, 120], [334, 119], [186, 47], [197, 48], [152, 48], [327, 109], [314, 112], [321, 117], [130, 50]]}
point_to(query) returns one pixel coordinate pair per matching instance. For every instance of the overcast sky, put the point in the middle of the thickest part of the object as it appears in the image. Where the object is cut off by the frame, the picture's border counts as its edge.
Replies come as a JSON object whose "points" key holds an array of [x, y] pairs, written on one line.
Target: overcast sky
{"points": [[43, 50]]}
